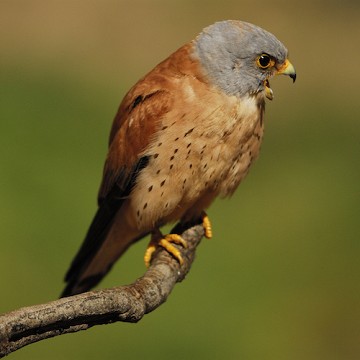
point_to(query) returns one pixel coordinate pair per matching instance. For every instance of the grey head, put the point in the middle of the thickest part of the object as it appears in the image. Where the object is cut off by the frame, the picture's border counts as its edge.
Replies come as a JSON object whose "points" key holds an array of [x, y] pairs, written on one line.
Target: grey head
{"points": [[240, 57]]}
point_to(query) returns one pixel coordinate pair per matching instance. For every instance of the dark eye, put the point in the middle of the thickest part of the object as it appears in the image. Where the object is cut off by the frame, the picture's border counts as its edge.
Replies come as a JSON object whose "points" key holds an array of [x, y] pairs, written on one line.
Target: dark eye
{"points": [[264, 61]]}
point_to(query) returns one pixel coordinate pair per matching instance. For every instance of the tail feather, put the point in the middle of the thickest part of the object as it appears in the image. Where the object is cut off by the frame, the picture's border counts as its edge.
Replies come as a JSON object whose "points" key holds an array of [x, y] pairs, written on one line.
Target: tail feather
{"points": [[109, 234], [94, 239], [74, 287], [95, 260], [108, 238]]}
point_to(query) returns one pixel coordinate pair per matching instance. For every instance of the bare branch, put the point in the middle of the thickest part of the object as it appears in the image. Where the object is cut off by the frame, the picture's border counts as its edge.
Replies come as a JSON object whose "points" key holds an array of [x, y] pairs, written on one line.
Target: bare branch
{"points": [[80, 312]]}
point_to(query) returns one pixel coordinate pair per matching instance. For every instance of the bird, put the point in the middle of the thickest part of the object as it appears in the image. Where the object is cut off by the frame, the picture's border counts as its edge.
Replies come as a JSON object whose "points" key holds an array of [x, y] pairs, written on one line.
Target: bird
{"points": [[184, 134]]}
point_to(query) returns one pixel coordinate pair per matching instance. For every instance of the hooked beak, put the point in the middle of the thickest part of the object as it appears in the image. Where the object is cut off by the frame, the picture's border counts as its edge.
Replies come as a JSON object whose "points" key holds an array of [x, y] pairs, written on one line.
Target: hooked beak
{"points": [[286, 68]]}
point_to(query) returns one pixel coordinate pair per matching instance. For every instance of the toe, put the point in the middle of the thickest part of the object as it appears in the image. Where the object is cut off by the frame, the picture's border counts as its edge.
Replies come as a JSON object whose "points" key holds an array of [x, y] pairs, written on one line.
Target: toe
{"points": [[172, 250], [149, 253], [207, 226]]}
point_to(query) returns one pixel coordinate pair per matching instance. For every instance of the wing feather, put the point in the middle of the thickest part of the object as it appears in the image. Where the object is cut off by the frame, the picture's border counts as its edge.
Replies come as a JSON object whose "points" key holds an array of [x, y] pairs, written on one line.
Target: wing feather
{"points": [[135, 123]]}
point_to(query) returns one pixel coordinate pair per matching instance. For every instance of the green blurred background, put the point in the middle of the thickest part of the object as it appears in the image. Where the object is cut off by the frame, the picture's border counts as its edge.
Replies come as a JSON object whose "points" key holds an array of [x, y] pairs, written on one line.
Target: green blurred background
{"points": [[280, 279]]}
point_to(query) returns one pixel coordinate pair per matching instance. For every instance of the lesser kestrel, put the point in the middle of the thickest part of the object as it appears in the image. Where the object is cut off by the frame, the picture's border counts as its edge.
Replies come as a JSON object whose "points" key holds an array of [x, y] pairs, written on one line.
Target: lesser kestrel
{"points": [[184, 134]]}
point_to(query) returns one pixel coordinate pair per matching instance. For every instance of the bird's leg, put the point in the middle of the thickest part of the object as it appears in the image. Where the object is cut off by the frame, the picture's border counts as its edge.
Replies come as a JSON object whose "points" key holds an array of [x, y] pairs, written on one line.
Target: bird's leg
{"points": [[206, 225], [158, 239]]}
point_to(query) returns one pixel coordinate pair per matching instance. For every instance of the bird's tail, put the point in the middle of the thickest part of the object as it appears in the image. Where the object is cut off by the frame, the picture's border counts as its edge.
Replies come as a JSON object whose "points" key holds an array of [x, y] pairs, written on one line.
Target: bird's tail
{"points": [[107, 239]]}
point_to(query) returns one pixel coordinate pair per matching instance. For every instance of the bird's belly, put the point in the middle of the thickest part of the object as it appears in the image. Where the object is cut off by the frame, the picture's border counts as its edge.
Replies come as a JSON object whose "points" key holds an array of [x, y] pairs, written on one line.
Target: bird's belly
{"points": [[190, 165]]}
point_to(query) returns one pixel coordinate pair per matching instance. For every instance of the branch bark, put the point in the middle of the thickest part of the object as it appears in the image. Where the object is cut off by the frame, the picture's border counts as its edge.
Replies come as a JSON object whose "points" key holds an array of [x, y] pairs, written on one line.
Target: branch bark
{"points": [[128, 303]]}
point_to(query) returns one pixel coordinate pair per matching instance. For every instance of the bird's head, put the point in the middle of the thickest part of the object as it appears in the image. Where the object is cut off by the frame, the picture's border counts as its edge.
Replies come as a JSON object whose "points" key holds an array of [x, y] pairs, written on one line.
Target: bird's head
{"points": [[240, 58]]}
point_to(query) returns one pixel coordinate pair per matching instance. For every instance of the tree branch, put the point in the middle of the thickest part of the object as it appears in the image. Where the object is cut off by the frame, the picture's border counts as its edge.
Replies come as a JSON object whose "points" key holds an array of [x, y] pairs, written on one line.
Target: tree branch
{"points": [[80, 312]]}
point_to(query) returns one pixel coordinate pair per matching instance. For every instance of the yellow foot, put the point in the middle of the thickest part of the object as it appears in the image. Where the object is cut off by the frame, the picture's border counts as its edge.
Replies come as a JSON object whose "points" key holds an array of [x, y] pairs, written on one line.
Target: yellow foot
{"points": [[166, 242], [149, 252], [207, 225]]}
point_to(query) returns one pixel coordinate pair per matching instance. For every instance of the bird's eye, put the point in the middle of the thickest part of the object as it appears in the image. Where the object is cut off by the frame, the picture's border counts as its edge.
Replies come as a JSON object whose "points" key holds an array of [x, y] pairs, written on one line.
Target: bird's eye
{"points": [[264, 61]]}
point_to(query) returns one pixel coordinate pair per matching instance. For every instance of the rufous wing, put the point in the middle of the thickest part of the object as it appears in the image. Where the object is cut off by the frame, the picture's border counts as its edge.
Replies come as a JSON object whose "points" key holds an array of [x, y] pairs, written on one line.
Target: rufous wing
{"points": [[136, 122]]}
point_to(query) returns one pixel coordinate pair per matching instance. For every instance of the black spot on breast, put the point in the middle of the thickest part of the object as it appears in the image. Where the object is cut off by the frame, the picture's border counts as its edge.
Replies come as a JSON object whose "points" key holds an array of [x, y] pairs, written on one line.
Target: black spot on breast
{"points": [[189, 132], [183, 185], [156, 155], [172, 158], [162, 183], [145, 206], [150, 188]]}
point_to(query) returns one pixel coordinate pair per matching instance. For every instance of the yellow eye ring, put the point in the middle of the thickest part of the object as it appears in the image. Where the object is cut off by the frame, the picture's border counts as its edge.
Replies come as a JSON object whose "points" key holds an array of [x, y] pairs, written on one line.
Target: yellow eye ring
{"points": [[264, 61]]}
